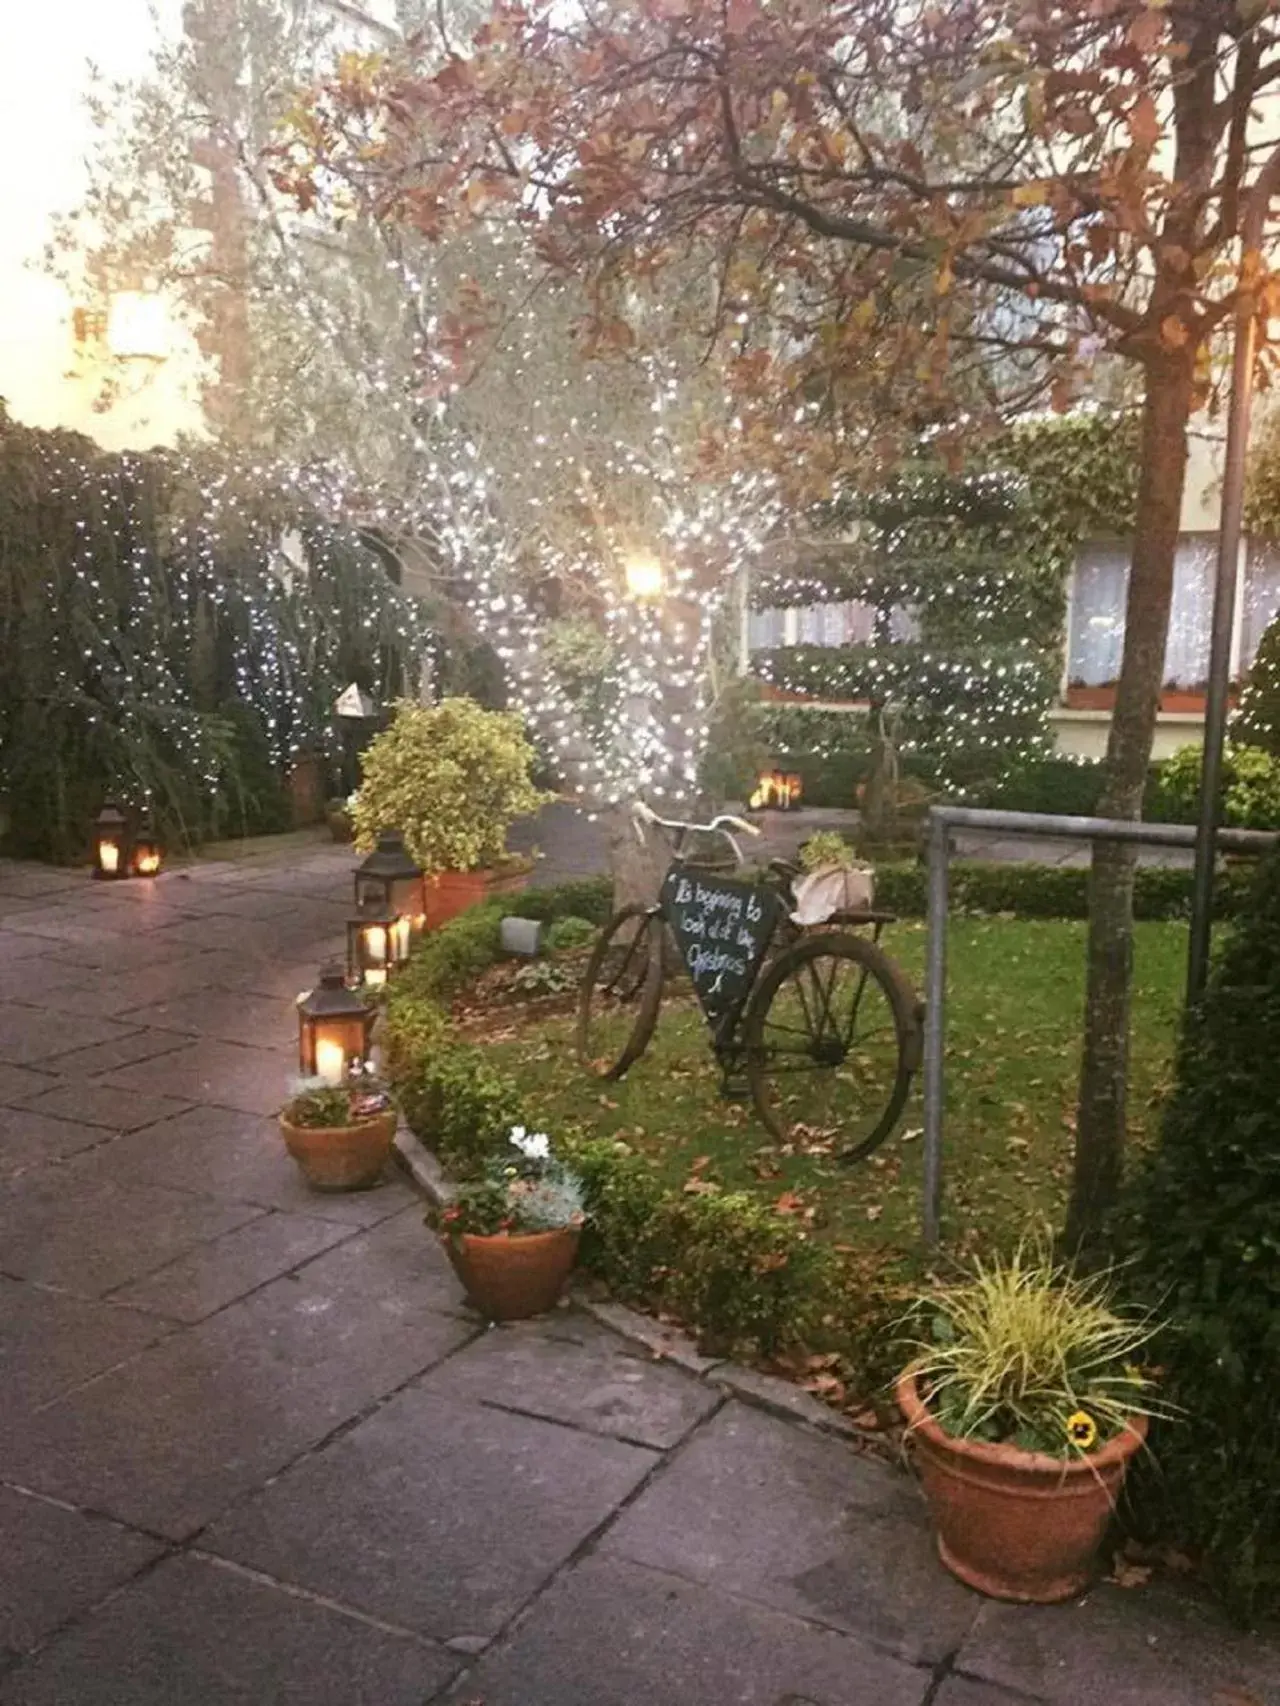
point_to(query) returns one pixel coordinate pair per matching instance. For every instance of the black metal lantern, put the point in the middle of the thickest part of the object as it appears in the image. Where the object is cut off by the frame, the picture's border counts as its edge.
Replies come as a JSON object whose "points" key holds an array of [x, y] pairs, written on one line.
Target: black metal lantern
{"points": [[335, 1028], [378, 942], [110, 843], [147, 855], [389, 877]]}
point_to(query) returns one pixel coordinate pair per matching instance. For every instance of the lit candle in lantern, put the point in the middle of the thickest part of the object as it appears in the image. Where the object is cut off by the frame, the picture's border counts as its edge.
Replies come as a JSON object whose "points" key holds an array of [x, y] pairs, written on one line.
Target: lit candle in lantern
{"points": [[109, 857], [375, 944], [331, 1061]]}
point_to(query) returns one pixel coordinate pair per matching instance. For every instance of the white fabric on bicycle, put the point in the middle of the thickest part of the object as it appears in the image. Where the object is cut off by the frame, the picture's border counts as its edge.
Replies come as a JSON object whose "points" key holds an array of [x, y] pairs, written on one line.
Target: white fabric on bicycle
{"points": [[819, 894]]}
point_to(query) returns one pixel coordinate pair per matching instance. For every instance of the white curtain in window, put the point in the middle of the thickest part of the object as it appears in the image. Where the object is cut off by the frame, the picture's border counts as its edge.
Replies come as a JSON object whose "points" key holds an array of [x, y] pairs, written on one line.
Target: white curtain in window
{"points": [[765, 629], [1261, 597], [1096, 640]]}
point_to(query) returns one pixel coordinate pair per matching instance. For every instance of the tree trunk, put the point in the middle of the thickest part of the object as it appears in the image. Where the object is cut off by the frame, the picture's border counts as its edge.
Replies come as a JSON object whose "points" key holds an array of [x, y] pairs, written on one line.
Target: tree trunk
{"points": [[1100, 1119]]}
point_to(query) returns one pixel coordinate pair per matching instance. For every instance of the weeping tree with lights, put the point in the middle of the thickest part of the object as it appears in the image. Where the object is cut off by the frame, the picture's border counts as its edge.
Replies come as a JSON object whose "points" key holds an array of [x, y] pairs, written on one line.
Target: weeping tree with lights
{"points": [[175, 631], [957, 664], [1067, 178]]}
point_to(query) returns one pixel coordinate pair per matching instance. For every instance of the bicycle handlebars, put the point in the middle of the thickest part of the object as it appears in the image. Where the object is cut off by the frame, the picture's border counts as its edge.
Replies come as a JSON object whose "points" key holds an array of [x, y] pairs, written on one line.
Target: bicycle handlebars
{"points": [[643, 816]]}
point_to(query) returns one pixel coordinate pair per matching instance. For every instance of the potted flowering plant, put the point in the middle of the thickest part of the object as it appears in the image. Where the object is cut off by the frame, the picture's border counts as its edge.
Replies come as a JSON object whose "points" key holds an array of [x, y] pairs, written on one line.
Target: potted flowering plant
{"points": [[1024, 1407], [512, 1236], [340, 1135]]}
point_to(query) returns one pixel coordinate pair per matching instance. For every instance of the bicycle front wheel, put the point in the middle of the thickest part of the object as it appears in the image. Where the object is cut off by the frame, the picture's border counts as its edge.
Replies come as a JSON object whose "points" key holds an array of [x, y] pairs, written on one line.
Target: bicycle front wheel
{"points": [[831, 1042], [621, 992]]}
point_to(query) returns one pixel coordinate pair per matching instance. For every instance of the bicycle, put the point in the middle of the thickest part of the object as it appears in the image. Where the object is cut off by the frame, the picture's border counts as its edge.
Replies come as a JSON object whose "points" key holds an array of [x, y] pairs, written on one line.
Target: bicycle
{"points": [[825, 1026]]}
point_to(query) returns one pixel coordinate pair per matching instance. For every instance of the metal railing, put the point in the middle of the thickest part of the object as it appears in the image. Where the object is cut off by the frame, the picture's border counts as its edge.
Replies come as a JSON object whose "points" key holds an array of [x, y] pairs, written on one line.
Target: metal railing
{"points": [[1040, 826]]}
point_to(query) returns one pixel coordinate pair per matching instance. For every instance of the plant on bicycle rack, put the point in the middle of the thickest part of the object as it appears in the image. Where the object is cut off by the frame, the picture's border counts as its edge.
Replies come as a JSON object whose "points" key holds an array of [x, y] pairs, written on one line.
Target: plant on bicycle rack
{"points": [[828, 850]]}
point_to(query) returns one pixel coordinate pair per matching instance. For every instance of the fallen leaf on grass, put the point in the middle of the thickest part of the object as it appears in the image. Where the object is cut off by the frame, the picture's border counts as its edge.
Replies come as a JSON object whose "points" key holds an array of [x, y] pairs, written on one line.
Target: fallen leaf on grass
{"points": [[874, 1210]]}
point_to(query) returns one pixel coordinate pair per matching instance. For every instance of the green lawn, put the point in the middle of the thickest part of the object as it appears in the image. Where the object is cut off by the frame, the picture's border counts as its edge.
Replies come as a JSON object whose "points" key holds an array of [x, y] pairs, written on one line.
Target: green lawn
{"points": [[1016, 992]]}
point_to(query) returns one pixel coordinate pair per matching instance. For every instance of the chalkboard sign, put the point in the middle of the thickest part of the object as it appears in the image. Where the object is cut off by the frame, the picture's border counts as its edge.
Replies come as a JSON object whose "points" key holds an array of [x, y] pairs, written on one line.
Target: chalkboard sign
{"points": [[722, 928]]}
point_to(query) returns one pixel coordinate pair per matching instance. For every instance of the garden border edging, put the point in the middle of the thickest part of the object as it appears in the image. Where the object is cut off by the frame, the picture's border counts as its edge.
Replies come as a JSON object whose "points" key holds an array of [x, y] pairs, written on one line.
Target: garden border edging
{"points": [[767, 1392]]}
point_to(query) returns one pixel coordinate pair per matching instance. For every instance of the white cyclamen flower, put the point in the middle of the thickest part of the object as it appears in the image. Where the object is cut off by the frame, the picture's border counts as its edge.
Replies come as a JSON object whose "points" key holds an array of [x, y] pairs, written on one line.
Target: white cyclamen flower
{"points": [[533, 1145]]}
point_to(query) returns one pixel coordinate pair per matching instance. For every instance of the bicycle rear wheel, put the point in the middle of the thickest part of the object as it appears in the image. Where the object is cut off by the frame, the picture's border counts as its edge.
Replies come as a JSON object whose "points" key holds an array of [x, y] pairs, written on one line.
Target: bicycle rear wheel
{"points": [[831, 1042], [621, 992]]}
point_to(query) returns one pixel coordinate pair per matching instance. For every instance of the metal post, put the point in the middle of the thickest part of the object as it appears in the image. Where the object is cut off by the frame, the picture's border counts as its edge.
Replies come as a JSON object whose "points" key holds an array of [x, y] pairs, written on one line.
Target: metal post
{"points": [[935, 998], [1224, 591]]}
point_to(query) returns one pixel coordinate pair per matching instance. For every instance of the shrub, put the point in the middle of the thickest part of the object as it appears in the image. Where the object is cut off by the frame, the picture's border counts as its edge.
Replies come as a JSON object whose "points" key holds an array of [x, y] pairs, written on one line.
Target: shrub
{"points": [[1204, 1230], [460, 1106], [452, 778], [571, 932], [737, 1272], [1258, 722], [1251, 786], [580, 897]]}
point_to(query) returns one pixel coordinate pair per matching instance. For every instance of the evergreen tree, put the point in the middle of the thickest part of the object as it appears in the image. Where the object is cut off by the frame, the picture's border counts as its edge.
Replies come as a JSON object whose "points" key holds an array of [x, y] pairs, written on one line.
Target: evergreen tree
{"points": [[1257, 723], [1206, 1237], [956, 668]]}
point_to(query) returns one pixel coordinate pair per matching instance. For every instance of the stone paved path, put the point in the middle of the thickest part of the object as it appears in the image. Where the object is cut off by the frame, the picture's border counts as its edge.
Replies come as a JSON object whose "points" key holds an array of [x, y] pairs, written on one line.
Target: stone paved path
{"points": [[254, 1447]]}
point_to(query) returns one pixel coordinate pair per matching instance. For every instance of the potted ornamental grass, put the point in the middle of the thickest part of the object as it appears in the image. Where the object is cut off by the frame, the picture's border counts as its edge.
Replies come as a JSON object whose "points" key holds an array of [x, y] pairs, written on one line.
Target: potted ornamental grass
{"points": [[1024, 1403], [340, 1135], [452, 778], [512, 1236]]}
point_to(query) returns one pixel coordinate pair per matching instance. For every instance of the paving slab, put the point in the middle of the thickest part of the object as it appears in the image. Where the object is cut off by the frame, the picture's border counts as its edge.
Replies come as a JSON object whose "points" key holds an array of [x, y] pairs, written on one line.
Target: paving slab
{"points": [[56, 1562], [50, 1342], [800, 1522], [611, 1633], [89, 1236], [29, 1035], [215, 1274], [81, 989], [211, 1412], [96, 1101], [239, 1158], [1122, 1648], [22, 876], [20, 1083], [121, 1051], [18, 949], [225, 1074], [963, 1691], [568, 1369], [29, 1139], [437, 1515], [253, 1020], [193, 1633]]}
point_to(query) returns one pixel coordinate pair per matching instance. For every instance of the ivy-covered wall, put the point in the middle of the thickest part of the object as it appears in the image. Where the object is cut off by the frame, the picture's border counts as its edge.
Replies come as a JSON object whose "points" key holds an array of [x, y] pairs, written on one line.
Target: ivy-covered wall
{"points": [[160, 649]]}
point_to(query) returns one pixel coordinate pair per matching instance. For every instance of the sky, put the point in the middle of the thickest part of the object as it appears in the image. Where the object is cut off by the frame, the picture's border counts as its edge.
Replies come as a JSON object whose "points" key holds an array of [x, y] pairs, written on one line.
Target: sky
{"points": [[45, 48]]}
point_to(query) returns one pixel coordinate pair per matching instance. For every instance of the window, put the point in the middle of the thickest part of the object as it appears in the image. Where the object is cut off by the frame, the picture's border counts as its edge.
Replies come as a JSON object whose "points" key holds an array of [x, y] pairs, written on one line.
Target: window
{"points": [[835, 624], [1095, 638]]}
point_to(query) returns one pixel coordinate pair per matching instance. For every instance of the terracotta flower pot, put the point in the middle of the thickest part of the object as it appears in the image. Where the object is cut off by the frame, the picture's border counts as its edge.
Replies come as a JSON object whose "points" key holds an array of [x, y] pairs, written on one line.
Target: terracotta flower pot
{"points": [[447, 893], [1016, 1524], [344, 1157], [514, 1275]]}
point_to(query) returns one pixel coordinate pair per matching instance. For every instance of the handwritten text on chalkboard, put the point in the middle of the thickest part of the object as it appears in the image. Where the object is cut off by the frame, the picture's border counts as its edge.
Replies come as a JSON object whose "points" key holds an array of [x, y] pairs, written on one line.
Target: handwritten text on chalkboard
{"points": [[722, 928]]}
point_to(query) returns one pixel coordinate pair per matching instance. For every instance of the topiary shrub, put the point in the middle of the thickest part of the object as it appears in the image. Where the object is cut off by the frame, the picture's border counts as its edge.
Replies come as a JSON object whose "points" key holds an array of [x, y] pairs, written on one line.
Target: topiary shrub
{"points": [[580, 897], [452, 778], [459, 1106], [1204, 1227]]}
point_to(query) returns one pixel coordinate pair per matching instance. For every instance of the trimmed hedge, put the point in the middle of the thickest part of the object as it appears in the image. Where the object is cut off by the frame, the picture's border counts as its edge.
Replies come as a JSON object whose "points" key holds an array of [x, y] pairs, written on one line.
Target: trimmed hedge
{"points": [[737, 1274], [1050, 891]]}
